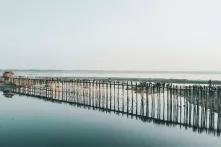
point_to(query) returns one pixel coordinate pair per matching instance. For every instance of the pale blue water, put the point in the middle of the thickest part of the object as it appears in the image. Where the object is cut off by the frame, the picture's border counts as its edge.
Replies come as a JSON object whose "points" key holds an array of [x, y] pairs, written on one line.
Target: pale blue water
{"points": [[33, 122]]}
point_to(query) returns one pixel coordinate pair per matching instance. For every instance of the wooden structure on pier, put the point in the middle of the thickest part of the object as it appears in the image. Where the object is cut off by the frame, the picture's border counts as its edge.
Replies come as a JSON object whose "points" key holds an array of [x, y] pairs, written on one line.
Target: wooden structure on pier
{"points": [[189, 106], [7, 76]]}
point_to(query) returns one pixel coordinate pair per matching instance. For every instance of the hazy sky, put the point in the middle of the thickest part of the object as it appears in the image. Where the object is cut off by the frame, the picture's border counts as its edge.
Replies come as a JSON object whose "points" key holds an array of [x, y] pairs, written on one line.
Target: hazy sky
{"points": [[111, 34]]}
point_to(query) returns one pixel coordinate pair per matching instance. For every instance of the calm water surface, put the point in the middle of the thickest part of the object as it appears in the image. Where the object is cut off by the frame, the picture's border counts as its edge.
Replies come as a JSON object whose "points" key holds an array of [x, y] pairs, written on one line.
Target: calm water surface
{"points": [[32, 122]]}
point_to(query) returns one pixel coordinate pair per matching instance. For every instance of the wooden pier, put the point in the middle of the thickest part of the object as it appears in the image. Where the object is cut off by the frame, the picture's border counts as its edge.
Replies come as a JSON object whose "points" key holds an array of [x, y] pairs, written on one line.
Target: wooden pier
{"points": [[189, 106]]}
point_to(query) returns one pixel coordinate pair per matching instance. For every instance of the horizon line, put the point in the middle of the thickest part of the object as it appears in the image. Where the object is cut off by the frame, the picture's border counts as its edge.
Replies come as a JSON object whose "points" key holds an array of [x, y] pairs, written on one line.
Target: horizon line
{"points": [[117, 70]]}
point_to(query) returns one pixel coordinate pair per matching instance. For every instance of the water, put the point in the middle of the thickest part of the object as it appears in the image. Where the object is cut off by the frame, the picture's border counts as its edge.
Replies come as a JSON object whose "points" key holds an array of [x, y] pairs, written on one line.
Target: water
{"points": [[29, 121], [203, 75]]}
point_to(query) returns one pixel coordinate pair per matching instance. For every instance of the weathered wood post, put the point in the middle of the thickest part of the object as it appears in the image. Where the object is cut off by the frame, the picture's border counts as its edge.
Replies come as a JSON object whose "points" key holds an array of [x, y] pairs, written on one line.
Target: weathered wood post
{"points": [[147, 100], [132, 98]]}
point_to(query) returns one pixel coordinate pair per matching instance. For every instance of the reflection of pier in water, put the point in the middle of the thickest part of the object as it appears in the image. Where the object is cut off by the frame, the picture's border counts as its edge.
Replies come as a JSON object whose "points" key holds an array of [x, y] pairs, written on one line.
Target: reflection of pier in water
{"points": [[196, 107]]}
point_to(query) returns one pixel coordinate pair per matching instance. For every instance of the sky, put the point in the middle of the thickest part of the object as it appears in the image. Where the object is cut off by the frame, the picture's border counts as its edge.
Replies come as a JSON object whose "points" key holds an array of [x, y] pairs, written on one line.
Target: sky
{"points": [[111, 34]]}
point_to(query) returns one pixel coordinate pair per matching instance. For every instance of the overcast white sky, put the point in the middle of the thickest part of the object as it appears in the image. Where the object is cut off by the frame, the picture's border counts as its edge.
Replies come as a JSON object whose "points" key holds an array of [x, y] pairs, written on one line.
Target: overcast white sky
{"points": [[111, 34]]}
